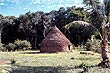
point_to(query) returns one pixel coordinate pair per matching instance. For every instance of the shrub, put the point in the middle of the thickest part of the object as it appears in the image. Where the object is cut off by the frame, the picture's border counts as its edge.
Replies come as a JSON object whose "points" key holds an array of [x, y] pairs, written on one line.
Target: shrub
{"points": [[93, 45], [22, 45], [17, 45], [13, 61], [82, 65], [10, 47], [2, 48], [85, 67]]}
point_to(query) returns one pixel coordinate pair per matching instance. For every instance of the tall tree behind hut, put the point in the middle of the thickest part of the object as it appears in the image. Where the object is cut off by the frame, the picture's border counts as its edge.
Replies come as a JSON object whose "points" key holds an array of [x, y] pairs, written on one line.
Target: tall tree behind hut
{"points": [[48, 23], [1, 24]]}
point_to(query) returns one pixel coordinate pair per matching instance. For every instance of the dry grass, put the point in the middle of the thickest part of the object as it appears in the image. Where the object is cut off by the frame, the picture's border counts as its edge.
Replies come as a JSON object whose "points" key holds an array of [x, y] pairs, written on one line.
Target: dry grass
{"points": [[58, 62]]}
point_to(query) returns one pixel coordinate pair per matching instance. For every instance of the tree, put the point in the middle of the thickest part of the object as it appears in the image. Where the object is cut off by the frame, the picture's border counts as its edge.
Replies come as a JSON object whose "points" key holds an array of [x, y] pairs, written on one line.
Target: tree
{"points": [[8, 29], [90, 2], [7, 21], [1, 24], [101, 15], [31, 25], [79, 32]]}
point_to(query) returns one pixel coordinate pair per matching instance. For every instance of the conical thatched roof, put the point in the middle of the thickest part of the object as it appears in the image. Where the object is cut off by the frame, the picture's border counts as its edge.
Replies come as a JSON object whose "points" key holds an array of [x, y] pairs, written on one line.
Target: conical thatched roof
{"points": [[55, 41]]}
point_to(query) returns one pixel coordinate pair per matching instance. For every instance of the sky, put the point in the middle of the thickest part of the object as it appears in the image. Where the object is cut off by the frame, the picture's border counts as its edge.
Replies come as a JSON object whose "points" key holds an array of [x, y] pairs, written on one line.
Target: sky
{"points": [[17, 7]]}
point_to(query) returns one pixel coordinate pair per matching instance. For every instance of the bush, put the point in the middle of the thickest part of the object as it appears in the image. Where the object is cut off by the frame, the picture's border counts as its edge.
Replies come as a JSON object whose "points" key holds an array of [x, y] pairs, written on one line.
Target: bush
{"points": [[22, 45], [93, 45], [13, 61], [10, 47], [17, 45], [2, 48], [83, 65]]}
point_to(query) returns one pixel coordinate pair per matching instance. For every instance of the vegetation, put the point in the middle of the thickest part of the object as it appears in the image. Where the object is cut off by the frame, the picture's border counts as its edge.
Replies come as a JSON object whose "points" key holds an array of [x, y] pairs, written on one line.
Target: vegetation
{"points": [[79, 31], [2, 47], [22, 45], [30, 26], [78, 24], [103, 17], [17, 45], [93, 45], [34, 61]]}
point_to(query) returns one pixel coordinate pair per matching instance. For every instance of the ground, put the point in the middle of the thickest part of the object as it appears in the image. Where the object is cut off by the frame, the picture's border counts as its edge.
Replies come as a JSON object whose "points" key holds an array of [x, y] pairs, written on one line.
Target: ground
{"points": [[35, 62]]}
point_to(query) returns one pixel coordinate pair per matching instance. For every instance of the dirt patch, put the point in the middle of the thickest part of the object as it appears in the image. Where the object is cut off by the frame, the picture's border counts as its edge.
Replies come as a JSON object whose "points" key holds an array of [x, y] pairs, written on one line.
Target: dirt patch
{"points": [[5, 62], [88, 53]]}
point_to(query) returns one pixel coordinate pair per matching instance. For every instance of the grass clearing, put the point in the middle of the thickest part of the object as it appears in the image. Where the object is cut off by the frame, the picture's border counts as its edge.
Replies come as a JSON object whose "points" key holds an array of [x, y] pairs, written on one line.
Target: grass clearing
{"points": [[33, 61]]}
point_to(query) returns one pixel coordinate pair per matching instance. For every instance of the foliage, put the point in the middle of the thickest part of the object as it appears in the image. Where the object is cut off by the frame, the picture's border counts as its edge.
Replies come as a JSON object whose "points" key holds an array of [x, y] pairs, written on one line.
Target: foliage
{"points": [[88, 2], [80, 14], [82, 65], [95, 12], [2, 48], [69, 15], [13, 61], [93, 45], [79, 31], [18, 45], [10, 47], [22, 45], [30, 26], [107, 8]]}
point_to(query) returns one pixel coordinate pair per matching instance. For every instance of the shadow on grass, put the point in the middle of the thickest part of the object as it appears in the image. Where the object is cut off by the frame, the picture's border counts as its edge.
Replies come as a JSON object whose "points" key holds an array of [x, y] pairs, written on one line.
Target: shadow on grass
{"points": [[50, 69], [35, 52], [43, 69], [32, 52]]}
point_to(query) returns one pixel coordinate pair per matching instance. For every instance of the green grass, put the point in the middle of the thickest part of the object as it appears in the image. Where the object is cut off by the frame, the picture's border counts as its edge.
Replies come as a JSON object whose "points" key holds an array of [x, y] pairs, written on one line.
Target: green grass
{"points": [[59, 62]]}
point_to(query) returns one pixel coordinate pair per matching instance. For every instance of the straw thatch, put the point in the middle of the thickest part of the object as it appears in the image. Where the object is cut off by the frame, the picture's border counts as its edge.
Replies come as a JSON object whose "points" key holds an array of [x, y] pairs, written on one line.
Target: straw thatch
{"points": [[55, 41]]}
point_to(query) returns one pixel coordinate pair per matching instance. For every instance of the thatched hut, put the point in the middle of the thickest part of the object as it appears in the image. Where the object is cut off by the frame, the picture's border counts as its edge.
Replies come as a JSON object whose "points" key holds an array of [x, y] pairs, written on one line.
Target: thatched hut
{"points": [[55, 41]]}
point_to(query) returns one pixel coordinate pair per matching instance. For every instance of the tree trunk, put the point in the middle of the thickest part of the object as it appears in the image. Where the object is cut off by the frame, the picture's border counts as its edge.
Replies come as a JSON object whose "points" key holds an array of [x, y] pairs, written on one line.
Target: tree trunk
{"points": [[0, 34], [104, 47]]}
